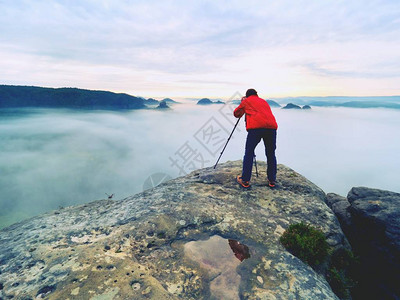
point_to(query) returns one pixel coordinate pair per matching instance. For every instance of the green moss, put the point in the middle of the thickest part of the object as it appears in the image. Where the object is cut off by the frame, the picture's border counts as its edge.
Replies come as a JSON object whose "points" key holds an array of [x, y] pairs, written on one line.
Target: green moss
{"points": [[343, 259], [337, 281], [309, 244], [341, 272], [306, 242]]}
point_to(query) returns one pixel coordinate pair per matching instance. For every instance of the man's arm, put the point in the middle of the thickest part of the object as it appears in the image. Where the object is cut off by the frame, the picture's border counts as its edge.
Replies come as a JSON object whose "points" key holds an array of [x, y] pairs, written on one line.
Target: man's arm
{"points": [[240, 110]]}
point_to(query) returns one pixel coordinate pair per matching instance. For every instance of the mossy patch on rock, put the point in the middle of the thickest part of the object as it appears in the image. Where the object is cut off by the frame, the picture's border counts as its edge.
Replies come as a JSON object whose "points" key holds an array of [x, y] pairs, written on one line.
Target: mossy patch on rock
{"points": [[342, 273], [309, 244], [306, 242]]}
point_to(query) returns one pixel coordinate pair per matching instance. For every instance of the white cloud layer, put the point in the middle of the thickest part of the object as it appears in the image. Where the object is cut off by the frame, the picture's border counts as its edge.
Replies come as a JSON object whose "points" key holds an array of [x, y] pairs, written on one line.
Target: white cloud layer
{"points": [[52, 158]]}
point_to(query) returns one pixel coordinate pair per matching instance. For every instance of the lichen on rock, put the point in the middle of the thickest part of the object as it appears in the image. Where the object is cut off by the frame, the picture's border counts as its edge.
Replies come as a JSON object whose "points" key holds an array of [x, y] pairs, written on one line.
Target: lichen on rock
{"points": [[135, 248]]}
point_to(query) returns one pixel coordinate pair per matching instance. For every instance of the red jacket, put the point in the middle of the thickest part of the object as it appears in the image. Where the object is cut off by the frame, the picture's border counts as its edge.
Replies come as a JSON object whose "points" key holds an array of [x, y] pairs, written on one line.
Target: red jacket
{"points": [[258, 113]]}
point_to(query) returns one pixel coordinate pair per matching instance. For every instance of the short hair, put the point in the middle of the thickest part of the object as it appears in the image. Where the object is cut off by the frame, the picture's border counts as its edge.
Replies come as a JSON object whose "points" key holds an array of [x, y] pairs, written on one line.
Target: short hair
{"points": [[251, 92]]}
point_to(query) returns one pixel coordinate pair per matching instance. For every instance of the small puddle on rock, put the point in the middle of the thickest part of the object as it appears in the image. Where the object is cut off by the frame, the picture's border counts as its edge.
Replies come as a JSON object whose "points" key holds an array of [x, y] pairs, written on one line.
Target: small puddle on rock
{"points": [[219, 257]]}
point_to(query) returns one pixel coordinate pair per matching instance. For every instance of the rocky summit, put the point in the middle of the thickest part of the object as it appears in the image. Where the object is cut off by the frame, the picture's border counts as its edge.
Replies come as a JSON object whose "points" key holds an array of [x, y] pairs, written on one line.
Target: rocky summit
{"points": [[195, 237], [370, 219]]}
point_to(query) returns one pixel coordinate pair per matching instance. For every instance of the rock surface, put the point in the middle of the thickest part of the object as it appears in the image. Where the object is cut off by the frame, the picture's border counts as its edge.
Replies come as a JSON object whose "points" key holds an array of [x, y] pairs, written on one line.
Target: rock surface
{"points": [[370, 219], [340, 206], [171, 242]]}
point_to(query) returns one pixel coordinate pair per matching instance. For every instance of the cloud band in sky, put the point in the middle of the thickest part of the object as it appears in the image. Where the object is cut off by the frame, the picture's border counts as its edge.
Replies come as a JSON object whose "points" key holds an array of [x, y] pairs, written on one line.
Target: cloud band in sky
{"points": [[173, 48]]}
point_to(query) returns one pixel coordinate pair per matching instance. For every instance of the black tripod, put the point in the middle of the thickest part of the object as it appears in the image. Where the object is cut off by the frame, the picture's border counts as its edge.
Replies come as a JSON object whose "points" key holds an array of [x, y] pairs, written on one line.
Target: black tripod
{"points": [[255, 160]]}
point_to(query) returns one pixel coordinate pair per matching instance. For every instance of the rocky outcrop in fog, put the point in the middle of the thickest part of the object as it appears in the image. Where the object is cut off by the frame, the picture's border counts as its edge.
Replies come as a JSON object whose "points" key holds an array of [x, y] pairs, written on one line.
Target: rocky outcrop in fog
{"points": [[291, 106], [194, 237], [370, 219]]}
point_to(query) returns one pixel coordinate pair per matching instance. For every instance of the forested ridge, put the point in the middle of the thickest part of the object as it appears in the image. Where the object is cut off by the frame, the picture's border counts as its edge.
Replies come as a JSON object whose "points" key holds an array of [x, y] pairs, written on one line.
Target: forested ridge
{"points": [[30, 96]]}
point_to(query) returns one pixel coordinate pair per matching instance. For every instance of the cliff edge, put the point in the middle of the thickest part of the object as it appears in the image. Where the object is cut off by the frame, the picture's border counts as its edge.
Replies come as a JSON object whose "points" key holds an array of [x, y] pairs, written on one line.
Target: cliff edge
{"points": [[370, 218], [195, 237]]}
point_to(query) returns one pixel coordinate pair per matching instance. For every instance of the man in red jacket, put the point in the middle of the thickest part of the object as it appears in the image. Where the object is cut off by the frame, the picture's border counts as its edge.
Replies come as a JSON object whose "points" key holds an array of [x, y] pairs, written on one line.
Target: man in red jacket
{"points": [[260, 124]]}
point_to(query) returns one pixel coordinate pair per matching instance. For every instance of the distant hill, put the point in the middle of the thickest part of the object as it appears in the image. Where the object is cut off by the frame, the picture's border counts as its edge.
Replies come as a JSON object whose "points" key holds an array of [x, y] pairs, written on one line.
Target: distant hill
{"points": [[30, 96], [151, 101], [323, 103], [272, 103], [169, 100], [154, 102], [291, 106], [346, 101], [163, 105], [371, 104], [236, 102], [206, 101], [359, 104]]}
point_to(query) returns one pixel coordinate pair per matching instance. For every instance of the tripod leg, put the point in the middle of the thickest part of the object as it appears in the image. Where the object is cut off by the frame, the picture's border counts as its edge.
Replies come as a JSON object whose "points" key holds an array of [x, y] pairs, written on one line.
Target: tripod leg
{"points": [[255, 163], [227, 142]]}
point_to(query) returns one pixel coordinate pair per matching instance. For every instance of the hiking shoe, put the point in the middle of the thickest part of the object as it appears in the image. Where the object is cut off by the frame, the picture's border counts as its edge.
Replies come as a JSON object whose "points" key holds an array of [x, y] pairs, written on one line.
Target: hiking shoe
{"points": [[244, 184], [271, 183]]}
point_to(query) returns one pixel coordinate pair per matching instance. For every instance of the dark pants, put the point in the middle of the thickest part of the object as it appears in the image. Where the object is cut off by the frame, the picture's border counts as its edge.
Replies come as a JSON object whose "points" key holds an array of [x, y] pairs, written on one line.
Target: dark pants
{"points": [[254, 136]]}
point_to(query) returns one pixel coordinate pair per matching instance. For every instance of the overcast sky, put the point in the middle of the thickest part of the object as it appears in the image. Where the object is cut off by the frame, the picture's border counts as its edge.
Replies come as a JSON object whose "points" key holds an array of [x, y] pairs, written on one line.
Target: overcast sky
{"points": [[204, 48]]}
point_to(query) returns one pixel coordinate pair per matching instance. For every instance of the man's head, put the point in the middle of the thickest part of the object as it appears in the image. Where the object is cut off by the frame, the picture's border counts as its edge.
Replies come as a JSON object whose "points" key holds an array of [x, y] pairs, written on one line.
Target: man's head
{"points": [[251, 92]]}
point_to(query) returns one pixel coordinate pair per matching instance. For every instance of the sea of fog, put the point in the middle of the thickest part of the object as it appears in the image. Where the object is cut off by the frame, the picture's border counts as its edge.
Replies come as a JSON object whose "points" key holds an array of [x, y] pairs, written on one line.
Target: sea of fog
{"points": [[56, 158]]}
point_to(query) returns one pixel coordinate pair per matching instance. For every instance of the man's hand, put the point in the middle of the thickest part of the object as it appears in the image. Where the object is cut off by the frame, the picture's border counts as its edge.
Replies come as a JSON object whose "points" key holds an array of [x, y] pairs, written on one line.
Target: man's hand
{"points": [[239, 112]]}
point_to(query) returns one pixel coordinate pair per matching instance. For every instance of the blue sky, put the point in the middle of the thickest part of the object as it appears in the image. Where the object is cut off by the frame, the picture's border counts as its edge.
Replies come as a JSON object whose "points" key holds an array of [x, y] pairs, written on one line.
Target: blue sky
{"points": [[204, 48]]}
